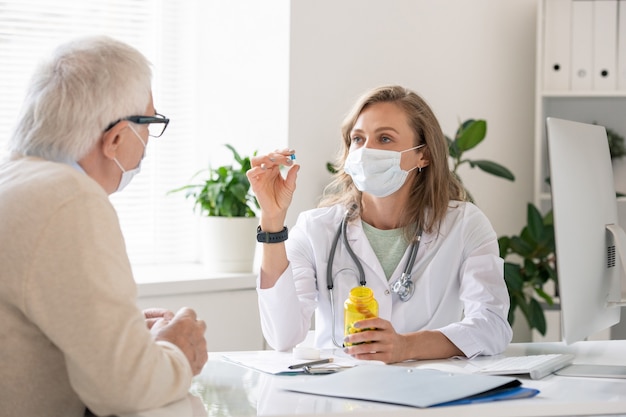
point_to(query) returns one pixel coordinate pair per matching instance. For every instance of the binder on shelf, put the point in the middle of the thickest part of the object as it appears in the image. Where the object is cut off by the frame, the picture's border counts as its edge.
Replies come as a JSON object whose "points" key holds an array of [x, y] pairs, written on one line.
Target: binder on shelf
{"points": [[621, 45], [582, 45], [605, 45], [556, 46]]}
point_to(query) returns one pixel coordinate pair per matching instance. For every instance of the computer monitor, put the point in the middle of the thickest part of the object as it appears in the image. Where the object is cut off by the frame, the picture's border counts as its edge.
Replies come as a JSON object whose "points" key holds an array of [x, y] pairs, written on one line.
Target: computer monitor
{"points": [[590, 244]]}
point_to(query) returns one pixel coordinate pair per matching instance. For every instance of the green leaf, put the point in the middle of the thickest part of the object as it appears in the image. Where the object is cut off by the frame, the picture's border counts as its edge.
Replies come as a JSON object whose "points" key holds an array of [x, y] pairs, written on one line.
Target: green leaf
{"points": [[548, 219], [503, 245], [239, 191], [470, 134], [511, 315], [527, 237], [545, 296], [235, 154], [537, 319], [521, 246], [513, 277], [524, 307], [494, 168], [530, 269], [453, 149], [535, 223]]}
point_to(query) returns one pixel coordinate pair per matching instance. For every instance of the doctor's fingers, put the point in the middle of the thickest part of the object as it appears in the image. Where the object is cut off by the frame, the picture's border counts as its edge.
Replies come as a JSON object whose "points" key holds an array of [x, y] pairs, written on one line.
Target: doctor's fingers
{"points": [[377, 354], [262, 172], [274, 159], [270, 181], [372, 330], [377, 345], [373, 323], [369, 335]]}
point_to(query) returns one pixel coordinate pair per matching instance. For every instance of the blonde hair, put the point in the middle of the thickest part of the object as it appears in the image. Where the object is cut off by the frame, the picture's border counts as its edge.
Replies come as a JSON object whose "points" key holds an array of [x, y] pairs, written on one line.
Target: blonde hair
{"points": [[84, 86], [431, 190]]}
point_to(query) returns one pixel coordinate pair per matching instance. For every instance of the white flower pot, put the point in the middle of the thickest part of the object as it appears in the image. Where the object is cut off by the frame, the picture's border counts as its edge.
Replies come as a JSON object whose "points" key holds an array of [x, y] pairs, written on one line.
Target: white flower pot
{"points": [[228, 244]]}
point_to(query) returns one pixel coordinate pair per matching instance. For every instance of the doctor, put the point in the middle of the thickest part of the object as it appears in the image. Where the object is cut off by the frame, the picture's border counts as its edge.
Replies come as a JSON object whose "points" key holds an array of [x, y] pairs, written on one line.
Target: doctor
{"points": [[394, 219]]}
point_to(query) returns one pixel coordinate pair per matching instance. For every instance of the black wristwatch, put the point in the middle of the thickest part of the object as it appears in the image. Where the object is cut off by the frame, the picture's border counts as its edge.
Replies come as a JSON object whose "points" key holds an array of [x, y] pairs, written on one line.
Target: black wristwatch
{"points": [[266, 237]]}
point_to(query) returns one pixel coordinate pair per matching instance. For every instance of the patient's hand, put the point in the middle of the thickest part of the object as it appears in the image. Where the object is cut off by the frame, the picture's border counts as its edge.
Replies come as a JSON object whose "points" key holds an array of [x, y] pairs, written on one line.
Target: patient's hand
{"points": [[186, 332], [154, 314]]}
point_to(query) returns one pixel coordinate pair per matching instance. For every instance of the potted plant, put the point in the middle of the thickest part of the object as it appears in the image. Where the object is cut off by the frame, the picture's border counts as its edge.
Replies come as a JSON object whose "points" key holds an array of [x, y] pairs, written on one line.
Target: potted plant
{"points": [[534, 246], [533, 251], [223, 199], [534, 254]]}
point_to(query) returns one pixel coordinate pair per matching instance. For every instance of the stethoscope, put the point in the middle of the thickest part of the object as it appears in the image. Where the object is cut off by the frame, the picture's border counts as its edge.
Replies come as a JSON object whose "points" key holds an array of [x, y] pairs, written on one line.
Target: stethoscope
{"points": [[403, 286]]}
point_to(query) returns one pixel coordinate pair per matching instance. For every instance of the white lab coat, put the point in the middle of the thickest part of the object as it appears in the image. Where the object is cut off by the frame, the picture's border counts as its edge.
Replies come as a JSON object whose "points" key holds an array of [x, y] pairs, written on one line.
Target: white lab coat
{"points": [[458, 275]]}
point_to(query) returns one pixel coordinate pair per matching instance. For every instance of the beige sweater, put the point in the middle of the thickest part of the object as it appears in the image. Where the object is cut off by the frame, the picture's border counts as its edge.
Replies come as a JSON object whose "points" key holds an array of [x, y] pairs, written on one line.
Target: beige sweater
{"points": [[71, 334]]}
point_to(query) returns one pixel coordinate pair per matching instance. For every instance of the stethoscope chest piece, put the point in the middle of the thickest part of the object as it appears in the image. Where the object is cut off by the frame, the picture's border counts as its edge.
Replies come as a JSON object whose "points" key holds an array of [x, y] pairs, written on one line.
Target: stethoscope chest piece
{"points": [[404, 287]]}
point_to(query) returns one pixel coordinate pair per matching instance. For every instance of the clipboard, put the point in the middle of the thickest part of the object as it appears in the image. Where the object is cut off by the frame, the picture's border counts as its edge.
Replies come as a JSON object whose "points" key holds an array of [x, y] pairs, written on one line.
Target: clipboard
{"points": [[413, 387], [280, 363]]}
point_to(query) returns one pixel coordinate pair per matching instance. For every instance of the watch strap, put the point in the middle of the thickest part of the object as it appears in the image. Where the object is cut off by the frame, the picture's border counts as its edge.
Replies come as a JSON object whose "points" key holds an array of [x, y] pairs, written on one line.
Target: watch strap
{"points": [[267, 237]]}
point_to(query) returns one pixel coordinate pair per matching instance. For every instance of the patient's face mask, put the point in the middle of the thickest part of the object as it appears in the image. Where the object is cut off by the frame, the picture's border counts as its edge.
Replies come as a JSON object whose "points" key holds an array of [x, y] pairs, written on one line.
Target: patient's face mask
{"points": [[127, 176], [377, 171]]}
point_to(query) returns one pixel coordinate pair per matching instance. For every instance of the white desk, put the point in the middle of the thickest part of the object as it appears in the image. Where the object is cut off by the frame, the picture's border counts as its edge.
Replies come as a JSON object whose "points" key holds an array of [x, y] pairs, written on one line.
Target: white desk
{"points": [[226, 389]]}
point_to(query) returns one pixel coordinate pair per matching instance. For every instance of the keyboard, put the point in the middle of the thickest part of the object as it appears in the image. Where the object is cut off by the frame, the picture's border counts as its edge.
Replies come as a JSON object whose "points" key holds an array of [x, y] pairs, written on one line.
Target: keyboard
{"points": [[537, 366]]}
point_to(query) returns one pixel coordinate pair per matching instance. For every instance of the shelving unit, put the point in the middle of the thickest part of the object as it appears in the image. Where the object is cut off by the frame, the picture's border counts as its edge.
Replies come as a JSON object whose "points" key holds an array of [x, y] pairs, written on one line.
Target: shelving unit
{"points": [[604, 107], [601, 106]]}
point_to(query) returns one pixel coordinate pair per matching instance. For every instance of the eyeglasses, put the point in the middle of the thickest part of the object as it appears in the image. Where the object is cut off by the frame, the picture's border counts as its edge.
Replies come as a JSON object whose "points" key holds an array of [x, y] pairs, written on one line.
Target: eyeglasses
{"points": [[156, 124]]}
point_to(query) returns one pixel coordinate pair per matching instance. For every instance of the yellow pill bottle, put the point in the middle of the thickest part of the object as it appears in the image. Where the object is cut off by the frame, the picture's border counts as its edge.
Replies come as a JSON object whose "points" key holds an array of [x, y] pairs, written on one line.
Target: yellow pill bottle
{"points": [[359, 305]]}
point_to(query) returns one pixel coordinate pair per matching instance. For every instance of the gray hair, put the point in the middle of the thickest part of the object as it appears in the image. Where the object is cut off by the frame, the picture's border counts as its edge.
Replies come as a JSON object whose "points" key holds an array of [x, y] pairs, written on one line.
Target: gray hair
{"points": [[86, 84]]}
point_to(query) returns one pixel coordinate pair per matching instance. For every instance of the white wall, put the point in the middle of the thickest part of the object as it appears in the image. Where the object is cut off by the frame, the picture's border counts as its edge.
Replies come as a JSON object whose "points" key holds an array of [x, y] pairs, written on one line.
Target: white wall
{"points": [[243, 55], [468, 59], [298, 66]]}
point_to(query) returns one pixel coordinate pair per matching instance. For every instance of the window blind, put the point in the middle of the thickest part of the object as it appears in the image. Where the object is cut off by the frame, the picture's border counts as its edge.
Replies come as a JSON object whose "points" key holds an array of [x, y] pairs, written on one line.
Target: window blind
{"points": [[158, 228]]}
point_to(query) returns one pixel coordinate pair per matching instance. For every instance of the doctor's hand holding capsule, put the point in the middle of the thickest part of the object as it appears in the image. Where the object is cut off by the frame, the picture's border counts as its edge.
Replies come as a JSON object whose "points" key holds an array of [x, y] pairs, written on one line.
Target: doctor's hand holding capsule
{"points": [[395, 220], [274, 194]]}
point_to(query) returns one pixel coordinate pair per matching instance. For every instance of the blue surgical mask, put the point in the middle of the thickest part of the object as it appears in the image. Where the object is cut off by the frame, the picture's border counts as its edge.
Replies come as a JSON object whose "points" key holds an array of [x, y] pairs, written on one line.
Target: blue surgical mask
{"points": [[377, 171], [127, 176]]}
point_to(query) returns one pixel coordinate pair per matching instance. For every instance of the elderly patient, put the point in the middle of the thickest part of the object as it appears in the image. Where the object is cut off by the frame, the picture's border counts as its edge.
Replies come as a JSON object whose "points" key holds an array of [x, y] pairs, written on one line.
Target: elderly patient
{"points": [[72, 337]]}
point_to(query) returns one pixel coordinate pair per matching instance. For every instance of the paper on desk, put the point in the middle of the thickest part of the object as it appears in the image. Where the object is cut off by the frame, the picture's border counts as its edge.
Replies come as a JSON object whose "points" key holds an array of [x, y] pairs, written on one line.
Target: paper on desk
{"points": [[277, 363], [411, 386]]}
